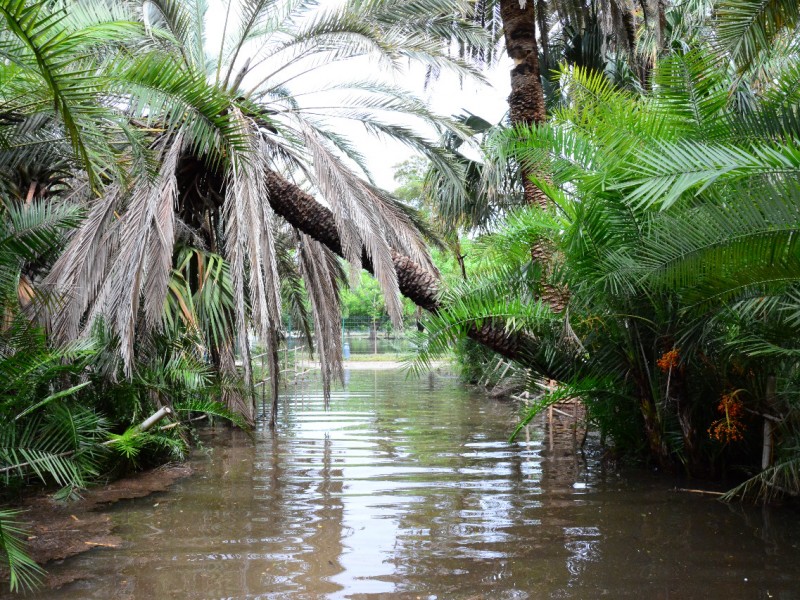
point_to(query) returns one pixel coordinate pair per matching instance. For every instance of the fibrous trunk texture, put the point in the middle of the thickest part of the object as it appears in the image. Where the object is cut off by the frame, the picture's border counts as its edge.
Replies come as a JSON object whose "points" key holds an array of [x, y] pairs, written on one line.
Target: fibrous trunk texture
{"points": [[527, 107], [526, 100], [303, 212]]}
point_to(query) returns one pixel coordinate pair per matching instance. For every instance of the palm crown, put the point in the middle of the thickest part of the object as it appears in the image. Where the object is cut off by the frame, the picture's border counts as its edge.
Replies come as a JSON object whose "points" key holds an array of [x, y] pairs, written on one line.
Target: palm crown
{"points": [[200, 141]]}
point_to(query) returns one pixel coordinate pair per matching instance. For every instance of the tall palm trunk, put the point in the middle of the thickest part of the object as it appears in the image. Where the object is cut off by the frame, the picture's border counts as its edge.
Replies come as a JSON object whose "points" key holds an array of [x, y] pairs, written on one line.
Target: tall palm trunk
{"points": [[527, 107], [526, 101]]}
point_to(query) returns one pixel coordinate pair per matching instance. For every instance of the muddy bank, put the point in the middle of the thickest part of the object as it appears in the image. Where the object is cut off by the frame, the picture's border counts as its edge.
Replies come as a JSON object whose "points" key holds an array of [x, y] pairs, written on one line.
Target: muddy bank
{"points": [[58, 530]]}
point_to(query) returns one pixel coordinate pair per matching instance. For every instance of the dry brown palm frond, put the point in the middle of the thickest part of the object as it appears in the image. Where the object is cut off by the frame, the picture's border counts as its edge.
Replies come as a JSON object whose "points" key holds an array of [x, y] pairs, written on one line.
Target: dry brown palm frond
{"points": [[143, 264], [114, 262], [393, 222], [250, 242], [232, 395], [250, 248], [320, 270], [364, 219], [80, 271]]}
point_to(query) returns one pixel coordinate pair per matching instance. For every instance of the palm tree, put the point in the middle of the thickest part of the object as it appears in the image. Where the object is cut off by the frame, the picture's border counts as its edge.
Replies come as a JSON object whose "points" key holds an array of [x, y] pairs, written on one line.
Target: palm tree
{"points": [[586, 34], [226, 132], [680, 254]]}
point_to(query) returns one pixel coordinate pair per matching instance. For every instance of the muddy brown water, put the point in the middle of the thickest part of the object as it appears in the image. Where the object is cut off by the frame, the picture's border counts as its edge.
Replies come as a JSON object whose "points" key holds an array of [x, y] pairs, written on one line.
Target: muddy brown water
{"points": [[408, 488]]}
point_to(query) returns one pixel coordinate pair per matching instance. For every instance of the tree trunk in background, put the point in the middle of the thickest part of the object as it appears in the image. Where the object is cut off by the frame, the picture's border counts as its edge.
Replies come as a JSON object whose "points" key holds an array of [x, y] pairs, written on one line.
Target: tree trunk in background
{"points": [[526, 101], [544, 34], [655, 19]]}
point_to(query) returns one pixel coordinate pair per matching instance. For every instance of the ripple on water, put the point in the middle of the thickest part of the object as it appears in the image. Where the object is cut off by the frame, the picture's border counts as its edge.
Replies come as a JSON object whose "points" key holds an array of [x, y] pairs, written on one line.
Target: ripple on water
{"points": [[410, 489]]}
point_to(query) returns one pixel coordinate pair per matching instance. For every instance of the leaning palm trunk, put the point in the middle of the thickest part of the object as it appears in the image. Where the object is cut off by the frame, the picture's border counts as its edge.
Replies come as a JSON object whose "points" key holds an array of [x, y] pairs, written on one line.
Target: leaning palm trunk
{"points": [[419, 285]]}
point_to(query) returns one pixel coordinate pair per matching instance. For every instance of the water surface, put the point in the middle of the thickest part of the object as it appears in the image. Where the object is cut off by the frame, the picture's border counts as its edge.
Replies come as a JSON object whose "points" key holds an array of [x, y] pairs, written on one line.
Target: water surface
{"points": [[407, 488]]}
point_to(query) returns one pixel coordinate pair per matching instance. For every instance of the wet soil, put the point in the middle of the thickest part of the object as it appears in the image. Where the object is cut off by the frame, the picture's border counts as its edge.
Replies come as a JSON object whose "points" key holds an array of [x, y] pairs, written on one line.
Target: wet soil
{"points": [[57, 530]]}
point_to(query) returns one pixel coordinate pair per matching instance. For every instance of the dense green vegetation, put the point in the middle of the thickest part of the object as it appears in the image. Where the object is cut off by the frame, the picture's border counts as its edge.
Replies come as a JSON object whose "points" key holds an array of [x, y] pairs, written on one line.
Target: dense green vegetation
{"points": [[629, 237], [137, 248], [671, 238]]}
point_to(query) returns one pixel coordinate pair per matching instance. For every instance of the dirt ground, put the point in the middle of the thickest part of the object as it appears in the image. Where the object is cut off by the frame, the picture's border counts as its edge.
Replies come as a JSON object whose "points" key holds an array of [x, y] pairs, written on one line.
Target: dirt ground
{"points": [[58, 530]]}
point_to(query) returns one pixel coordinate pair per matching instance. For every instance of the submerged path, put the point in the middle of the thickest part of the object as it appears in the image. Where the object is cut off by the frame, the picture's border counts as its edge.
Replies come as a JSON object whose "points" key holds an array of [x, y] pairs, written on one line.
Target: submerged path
{"points": [[408, 488]]}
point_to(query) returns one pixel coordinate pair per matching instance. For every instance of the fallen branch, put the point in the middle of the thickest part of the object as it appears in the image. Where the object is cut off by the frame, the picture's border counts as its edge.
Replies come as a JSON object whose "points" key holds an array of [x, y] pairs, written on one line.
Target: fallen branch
{"points": [[694, 491], [142, 427], [103, 545], [176, 423], [154, 418]]}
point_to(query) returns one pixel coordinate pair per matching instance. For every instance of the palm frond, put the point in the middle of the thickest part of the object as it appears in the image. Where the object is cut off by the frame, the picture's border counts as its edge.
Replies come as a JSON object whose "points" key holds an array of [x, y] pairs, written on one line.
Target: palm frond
{"points": [[212, 408], [780, 479], [46, 47], [719, 249], [25, 574], [667, 171], [747, 28], [692, 92], [320, 271], [172, 97]]}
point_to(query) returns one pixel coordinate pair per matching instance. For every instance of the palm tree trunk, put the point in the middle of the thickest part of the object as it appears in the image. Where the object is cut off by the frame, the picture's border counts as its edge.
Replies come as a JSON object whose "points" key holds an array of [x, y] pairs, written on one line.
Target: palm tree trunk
{"points": [[421, 286], [527, 107], [526, 101]]}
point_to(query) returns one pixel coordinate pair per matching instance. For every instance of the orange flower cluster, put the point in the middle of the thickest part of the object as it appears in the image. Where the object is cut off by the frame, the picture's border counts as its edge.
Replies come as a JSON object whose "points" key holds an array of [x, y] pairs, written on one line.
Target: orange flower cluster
{"points": [[669, 360], [729, 428]]}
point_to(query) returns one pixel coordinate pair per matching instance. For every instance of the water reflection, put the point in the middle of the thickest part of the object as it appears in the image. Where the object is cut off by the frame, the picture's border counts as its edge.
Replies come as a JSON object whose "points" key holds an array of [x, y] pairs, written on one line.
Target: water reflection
{"points": [[409, 489]]}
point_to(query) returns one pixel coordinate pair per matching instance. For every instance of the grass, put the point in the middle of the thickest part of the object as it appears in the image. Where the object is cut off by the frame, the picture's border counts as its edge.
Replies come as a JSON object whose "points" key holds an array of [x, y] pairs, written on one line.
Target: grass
{"points": [[386, 357]]}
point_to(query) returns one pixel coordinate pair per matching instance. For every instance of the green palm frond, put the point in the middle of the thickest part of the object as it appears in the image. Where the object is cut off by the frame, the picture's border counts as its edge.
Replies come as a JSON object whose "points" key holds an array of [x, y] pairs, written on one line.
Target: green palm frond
{"points": [[503, 299], [523, 228], [172, 97], [748, 28], [25, 574], [44, 45], [665, 172], [200, 295], [62, 445], [720, 249], [564, 153], [34, 229], [212, 408], [692, 91], [133, 442]]}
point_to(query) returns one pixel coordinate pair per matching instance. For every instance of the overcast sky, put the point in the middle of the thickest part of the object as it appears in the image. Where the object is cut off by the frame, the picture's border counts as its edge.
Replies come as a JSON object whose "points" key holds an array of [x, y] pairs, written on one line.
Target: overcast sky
{"points": [[445, 96]]}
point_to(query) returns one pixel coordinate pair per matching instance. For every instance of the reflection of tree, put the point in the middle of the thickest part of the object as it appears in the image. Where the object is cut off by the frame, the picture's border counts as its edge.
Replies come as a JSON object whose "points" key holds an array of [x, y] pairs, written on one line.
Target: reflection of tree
{"points": [[503, 517], [325, 542], [410, 487], [460, 534]]}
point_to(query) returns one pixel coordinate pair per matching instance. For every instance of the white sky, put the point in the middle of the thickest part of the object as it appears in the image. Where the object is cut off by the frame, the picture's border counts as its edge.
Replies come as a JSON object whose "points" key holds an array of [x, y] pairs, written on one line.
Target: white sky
{"points": [[444, 96]]}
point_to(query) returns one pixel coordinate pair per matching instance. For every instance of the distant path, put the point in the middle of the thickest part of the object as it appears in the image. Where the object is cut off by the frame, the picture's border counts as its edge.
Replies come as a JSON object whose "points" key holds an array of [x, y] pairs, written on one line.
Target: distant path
{"points": [[368, 365]]}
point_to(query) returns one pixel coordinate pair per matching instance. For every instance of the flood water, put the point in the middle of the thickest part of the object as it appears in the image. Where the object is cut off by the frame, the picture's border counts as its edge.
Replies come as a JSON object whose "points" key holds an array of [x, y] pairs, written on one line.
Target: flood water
{"points": [[408, 488]]}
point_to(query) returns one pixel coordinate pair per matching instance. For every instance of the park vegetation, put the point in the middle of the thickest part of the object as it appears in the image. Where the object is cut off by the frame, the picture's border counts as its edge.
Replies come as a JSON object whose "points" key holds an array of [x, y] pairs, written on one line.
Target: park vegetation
{"points": [[628, 236]]}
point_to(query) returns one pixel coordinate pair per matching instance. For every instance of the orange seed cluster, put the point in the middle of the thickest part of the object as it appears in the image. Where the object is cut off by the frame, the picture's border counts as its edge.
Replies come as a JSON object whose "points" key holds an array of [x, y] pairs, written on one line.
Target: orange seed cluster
{"points": [[730, 427], [669, 360]]}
